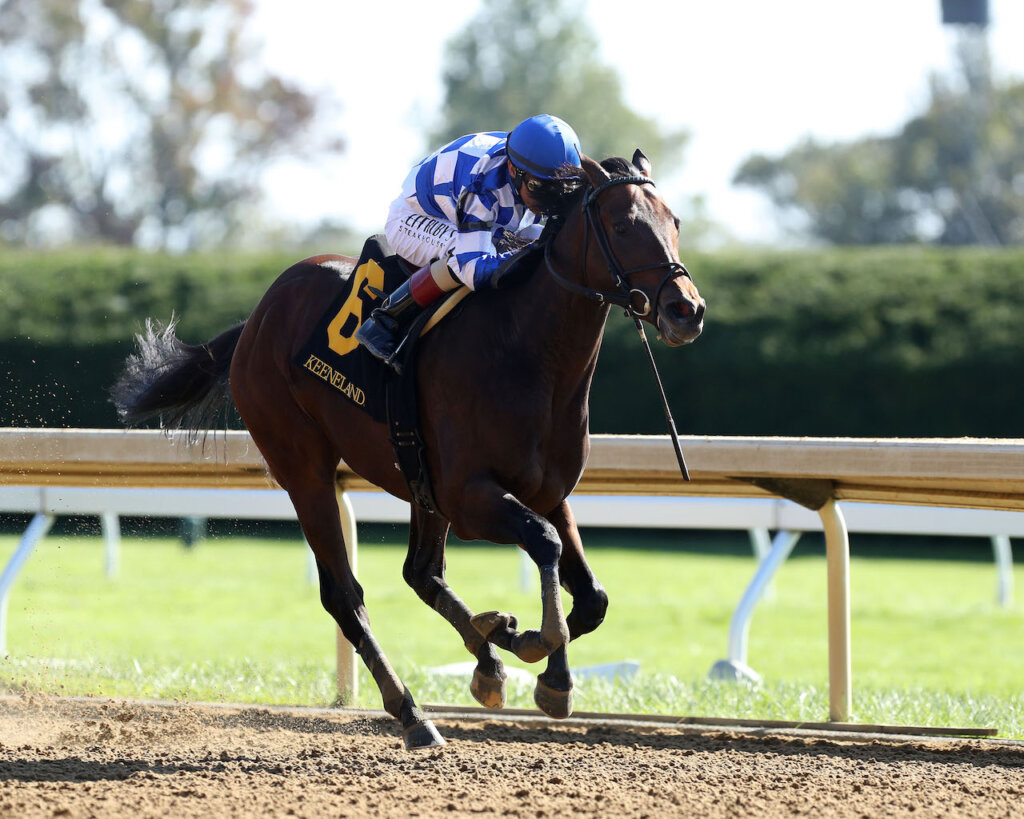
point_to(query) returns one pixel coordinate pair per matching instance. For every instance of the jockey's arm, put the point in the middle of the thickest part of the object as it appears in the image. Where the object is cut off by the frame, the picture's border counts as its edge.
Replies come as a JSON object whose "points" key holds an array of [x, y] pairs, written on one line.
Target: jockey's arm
{"points": [[474, 259]]}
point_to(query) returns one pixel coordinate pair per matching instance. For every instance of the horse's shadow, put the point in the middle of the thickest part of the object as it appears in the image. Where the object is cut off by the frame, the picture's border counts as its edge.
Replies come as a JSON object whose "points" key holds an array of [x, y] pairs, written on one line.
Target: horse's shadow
{"points": [[76, 769], [978, 754], [471, 734], [264, 720]]}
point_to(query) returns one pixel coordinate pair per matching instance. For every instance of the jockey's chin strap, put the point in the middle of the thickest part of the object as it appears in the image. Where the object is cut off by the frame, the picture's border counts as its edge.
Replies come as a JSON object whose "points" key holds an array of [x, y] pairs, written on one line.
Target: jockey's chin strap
{"points": [[635, 302], [624, 298]]}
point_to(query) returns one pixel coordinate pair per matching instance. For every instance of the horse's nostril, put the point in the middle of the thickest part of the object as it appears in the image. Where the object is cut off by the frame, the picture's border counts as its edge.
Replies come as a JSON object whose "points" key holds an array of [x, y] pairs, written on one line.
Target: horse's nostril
{"points": [[700, 310], [681, 310]]}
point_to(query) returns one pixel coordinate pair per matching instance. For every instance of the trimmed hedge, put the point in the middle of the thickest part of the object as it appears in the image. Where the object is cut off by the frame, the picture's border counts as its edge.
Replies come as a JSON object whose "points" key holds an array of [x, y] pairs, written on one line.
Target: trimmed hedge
{"points": [[67, 320], [97, 296], [863, 342], [866, 342]]}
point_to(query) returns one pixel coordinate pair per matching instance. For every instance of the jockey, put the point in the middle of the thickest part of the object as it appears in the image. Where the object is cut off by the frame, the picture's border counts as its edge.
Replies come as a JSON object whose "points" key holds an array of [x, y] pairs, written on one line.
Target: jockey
{"points": [[454, 208]]}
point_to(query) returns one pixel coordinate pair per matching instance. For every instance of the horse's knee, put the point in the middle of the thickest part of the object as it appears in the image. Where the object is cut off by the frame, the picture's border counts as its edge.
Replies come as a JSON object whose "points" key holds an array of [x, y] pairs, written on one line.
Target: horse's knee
{"points": [[421, 577], [588, 611], [488, 512], [541, 541]]}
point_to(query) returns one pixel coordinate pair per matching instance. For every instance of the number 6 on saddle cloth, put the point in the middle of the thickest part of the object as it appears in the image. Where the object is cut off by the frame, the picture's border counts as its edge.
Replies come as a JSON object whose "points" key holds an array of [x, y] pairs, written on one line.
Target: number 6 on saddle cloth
{"points": [[333, 354]]}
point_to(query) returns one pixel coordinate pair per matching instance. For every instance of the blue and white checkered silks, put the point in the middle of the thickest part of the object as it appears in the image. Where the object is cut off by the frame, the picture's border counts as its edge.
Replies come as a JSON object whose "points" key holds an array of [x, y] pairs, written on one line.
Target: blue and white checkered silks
{"points": [[458, 202]]}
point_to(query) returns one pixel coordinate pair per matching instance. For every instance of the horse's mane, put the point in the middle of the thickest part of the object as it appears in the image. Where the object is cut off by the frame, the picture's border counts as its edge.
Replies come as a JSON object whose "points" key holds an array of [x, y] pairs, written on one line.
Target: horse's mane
{"points": [[618, 166], [575, 182]]}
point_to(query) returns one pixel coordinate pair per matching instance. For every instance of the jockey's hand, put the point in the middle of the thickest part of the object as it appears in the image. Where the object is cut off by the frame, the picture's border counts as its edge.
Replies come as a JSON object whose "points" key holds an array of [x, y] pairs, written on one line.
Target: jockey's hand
{"points": [[506, 274]]}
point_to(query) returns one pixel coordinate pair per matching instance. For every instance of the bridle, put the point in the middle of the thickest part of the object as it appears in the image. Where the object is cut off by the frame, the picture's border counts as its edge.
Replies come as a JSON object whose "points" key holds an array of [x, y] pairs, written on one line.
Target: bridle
{"points": [[625, 296]]}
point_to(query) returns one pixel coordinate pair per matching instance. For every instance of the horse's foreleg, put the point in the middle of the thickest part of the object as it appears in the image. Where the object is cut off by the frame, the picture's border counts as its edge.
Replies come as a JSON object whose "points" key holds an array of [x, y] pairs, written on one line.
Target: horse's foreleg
{"points": [[553, 693], [495, 515], [589, 599], [424, 571]]}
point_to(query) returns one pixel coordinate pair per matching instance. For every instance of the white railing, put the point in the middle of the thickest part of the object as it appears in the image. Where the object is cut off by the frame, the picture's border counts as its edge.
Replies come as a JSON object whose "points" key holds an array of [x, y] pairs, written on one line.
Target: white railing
{"points": [[758, 517], [819, 473]]}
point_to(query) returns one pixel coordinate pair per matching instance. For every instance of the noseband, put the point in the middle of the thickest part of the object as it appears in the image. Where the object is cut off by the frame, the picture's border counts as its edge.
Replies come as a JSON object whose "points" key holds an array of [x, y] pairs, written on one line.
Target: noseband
{"points": [[625, 296]]}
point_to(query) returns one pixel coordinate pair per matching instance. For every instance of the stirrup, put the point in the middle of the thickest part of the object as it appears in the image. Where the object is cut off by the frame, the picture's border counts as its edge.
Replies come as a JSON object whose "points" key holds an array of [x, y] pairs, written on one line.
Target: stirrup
{"points": [[385, 331], [378, 339]]}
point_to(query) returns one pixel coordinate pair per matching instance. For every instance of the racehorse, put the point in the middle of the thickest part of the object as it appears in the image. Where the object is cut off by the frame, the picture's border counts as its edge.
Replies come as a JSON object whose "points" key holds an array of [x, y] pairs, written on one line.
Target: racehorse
{"points": [[503, 393]]}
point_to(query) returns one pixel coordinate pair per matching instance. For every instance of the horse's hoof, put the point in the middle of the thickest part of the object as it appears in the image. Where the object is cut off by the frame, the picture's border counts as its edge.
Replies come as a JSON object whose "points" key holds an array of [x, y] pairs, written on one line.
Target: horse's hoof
{"points": [[490, 692], [422, 735], [556, 704], [487, 622]]}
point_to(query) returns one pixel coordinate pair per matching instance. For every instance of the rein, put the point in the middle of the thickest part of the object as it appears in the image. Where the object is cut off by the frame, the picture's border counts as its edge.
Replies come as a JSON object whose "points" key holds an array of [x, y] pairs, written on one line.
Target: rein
{"points": [[623, 298]]}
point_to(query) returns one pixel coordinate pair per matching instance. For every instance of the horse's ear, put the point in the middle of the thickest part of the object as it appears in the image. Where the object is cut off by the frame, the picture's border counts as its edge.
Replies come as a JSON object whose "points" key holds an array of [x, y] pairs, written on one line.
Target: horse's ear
{"points": [[595, 173], [642, 162]]}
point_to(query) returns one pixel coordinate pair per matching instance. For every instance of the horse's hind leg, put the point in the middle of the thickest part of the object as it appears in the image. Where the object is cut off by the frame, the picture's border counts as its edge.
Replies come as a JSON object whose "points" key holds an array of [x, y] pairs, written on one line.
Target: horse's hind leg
{"points": [[304, 463], [553, 693], [342, 596], [424, 571]]}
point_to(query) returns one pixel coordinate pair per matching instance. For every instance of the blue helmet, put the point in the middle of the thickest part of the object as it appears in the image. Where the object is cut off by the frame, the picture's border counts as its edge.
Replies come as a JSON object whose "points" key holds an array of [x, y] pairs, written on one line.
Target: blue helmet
{"points": [[542, 144]]}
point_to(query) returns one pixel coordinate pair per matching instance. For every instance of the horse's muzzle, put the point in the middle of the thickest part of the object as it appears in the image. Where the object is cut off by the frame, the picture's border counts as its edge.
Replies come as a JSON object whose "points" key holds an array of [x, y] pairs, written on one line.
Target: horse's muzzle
{"points": [[680, 320]]}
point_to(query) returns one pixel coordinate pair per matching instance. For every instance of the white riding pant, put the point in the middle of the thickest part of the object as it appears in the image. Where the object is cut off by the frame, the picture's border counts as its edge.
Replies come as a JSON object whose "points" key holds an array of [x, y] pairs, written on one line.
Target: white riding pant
{"points": [[422, 240]]}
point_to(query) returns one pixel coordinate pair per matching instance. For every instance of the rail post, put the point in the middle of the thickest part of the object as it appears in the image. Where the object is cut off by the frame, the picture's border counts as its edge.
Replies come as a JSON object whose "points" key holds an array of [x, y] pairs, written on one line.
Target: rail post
{"points": [[837, 552], [348, 678]]}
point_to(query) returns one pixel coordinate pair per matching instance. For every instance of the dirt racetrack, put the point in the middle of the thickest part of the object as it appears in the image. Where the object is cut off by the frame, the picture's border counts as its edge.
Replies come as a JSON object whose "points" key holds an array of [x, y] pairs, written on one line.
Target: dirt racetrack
{"points": [[112, 759]]}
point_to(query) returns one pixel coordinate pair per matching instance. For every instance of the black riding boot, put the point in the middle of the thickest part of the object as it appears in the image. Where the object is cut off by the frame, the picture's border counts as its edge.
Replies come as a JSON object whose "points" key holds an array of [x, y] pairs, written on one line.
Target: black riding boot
{"points": [[381, 333]]}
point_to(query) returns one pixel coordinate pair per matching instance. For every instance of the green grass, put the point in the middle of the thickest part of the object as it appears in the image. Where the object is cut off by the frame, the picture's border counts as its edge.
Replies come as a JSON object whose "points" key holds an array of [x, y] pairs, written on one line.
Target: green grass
{"points": [[235, 620]]}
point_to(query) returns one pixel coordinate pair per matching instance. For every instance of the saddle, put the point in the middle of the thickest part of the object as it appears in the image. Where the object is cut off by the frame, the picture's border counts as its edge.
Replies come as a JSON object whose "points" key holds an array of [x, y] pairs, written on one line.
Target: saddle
{"points": [[333, 354]]}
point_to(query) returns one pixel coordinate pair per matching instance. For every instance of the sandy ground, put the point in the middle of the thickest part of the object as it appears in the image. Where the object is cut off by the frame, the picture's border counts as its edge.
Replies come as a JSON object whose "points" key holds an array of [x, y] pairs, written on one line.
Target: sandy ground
{"points": [[104, 758]]}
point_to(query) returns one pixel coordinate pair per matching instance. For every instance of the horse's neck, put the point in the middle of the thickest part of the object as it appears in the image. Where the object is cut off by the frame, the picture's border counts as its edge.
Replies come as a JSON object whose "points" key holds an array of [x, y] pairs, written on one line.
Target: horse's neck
{"points": [[566, 327]]}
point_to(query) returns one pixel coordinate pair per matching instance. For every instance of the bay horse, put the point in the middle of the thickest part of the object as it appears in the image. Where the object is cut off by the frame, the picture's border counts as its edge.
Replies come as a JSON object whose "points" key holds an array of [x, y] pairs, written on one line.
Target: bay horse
{"points": [[503, 395]]}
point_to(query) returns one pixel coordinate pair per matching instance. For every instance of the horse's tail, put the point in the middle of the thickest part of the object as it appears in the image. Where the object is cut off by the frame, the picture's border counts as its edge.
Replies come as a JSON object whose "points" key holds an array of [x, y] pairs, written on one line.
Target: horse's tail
{"points": [[185, 385]]}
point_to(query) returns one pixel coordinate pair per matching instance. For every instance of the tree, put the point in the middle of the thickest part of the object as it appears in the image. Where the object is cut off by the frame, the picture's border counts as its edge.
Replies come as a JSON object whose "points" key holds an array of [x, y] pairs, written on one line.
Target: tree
{"points": [[837, 193], [142, 122], [513, 60], [951, 175]]}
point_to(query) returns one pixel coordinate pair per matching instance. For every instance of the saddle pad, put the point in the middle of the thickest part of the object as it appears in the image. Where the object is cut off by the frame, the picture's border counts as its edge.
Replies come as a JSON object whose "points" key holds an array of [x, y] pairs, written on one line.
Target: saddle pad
{"points": [[332, 353]]}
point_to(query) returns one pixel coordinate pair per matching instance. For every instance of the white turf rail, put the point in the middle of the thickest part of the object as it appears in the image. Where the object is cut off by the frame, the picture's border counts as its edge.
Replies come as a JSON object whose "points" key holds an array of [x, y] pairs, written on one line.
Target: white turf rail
{"points": [[72, 471], [978, 473]]}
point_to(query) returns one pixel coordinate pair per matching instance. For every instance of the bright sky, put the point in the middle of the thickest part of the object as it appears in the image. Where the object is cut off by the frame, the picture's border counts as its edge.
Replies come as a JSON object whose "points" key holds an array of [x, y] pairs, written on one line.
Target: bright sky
{"points": [[742, 76]]}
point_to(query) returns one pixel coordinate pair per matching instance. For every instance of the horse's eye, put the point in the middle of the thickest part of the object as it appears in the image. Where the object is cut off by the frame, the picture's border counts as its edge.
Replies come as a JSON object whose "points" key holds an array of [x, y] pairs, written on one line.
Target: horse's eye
{"points": [[620, 228]]}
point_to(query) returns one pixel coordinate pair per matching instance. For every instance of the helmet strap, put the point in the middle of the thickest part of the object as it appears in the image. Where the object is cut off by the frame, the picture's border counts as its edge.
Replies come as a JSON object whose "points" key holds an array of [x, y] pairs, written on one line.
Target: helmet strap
{"points": [[517, 179]]}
